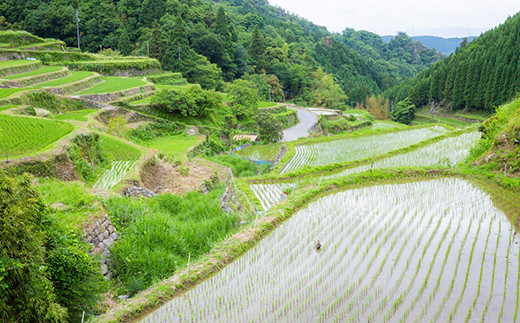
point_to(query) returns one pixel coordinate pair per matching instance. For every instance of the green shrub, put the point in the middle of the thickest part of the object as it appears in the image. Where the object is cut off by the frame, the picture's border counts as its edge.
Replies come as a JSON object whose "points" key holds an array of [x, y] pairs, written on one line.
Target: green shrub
{"points": [[46, 273], [75, 274], [404, 112]]}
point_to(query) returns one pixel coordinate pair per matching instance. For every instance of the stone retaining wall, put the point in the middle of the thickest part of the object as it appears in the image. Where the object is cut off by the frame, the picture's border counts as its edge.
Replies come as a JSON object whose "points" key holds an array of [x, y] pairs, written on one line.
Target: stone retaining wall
{"points": [[102, 236]]}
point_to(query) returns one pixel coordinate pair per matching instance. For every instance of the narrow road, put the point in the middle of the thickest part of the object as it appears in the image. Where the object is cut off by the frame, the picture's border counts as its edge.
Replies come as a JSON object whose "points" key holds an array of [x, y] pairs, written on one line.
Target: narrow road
{"points": [[301, 129]]}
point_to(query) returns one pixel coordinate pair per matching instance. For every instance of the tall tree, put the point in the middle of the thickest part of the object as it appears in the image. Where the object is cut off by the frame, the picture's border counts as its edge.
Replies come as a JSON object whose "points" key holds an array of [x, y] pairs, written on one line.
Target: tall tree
{"points": [[124, 45], [156, 43], [257, 49]]}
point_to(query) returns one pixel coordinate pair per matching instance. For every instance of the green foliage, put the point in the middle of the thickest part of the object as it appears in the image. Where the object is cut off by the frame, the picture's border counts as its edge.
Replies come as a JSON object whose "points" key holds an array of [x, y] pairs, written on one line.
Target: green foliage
{"points": [[116, 126], [161, 232], [161, 128], [334, 125], [75, 274], [124, 45], [19, 38], [50, 102], [26, 292], [86, 155], [324, 92], [404, 112], [46, 273], [286, 119], [226, 40], [499, 148], [269, 129], [256, 49], [193, 102], [244, 98], [48, 57]]}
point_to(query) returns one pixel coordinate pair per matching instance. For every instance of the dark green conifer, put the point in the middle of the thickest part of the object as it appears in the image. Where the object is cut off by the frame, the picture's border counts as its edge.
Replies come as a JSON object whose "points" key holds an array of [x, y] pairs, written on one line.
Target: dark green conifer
{"points": [[257, 49], [124, 45]]}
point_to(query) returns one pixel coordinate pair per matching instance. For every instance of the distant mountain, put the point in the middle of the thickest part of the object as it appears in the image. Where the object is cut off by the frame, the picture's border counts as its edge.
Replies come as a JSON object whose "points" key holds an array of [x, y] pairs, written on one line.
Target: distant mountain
{"points": [[443, 45], [480, 75]]}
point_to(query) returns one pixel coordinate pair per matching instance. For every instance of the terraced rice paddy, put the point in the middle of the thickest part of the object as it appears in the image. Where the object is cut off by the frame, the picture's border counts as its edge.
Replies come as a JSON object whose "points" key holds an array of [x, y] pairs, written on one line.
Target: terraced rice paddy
{"points": [[80, 115], [4, 93], [389, 253], [267, 152], [270, 194], [74, 77], [10, 63], [445, 153], [25, 135], [43, 70], [115, 174], [345, 150], [118, 150], [113, 84]]}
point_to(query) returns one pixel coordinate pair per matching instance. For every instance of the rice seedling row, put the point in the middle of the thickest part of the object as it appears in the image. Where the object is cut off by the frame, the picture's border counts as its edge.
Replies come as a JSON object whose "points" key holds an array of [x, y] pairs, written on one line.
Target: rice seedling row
{"points": [[365, 245], [445, 153], [344, 150], [25, 135], [468, 316], [115, 174]]}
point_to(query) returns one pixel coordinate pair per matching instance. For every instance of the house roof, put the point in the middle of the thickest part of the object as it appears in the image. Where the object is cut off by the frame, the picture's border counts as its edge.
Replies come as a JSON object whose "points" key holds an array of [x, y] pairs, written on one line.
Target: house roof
{"points": [[241, 137]]}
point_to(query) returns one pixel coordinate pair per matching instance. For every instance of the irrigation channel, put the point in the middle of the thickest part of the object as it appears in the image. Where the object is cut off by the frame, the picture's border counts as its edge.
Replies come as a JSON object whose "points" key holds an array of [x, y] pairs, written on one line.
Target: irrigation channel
{"points": [[424, 251]]}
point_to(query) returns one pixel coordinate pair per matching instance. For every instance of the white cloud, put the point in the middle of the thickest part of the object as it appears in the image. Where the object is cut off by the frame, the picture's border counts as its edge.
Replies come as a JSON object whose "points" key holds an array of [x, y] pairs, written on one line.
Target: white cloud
{"points": [[440, 17]]}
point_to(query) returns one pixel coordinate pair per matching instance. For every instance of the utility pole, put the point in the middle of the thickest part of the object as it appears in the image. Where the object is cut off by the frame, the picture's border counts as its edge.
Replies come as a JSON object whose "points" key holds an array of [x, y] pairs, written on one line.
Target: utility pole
{"points": [[147, 49], [431, 108], [77, 28], [180, 50]]}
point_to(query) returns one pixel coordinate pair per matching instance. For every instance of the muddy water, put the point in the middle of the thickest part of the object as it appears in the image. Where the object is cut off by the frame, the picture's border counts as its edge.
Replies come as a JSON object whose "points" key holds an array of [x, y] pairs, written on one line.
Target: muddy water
{"points": [[412, 252]]}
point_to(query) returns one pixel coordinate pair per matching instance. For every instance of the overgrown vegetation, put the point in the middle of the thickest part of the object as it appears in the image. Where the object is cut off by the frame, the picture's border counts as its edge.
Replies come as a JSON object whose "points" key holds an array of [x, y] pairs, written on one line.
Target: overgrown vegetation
{"points": [[161, 233]]}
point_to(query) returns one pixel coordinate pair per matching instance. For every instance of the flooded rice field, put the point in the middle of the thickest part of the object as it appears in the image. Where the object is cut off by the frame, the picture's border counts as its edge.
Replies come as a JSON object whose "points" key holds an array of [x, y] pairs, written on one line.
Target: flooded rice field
{"points": [[425, 251]]}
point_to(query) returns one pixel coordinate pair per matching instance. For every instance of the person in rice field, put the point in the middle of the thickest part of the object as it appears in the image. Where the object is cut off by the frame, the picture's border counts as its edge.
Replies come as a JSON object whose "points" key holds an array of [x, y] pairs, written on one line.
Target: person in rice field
{"points": [[318, 245]]}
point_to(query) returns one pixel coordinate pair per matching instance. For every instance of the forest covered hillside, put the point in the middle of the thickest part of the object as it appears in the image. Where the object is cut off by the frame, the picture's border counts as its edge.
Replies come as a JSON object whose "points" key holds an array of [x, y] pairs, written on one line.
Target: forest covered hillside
{"points": [[211, 42], [480, 75]]}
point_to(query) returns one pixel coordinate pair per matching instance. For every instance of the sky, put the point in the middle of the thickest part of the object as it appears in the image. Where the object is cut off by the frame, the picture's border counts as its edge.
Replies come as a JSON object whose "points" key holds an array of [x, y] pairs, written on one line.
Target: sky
{"points": [[445, 18]]}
